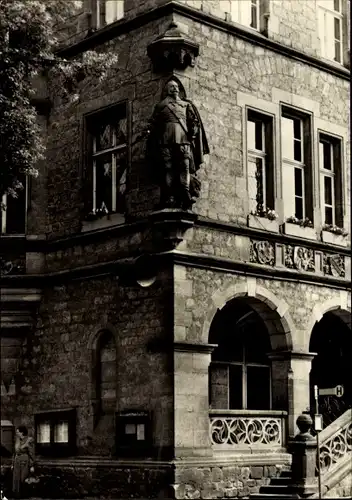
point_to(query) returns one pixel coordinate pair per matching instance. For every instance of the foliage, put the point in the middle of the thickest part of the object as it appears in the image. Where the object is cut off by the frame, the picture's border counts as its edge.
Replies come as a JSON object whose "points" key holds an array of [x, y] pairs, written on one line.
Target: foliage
{"points": [[267, 213], [335, 230], [27, 48], [300, 222]]}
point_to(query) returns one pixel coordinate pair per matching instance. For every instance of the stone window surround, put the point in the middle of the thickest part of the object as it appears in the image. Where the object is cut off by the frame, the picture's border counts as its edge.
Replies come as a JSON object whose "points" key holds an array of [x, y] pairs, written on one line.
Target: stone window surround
{"points": [[4, 213], [335, 174], [94, 346], [262, 14], [97, 9], [345, 42], [305, 163], [267, 155], [110, 219], [53, 417], [282, 97]]}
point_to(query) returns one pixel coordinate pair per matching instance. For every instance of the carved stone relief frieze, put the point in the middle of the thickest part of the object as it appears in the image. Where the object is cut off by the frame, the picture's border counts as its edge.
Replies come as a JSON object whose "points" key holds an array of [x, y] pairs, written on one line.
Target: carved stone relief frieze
{"points": [[334, 265], [303, 259], [299, 258], [262, 252]]}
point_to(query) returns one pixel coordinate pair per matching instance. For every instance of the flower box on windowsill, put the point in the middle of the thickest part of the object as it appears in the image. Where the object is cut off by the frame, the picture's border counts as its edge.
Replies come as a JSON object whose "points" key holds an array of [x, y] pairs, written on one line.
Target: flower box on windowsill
{"points": [[263, 223], [334, 239], [307, 233], [100, 223]]}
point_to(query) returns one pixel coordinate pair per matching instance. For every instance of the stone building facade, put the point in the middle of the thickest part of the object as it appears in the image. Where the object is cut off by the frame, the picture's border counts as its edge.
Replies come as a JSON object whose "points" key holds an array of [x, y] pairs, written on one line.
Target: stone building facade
{"points": [[166, 352]]}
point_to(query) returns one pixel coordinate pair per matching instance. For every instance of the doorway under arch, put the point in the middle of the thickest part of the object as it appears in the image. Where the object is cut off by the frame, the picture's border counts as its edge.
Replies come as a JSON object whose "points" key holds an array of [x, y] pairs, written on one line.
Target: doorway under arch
{"points": [[331, 339]]}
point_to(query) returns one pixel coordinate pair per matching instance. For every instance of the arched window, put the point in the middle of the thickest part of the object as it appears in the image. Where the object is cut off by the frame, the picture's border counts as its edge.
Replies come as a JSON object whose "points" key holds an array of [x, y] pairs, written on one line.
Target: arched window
{"points": [[240, 372], [106, 372]]}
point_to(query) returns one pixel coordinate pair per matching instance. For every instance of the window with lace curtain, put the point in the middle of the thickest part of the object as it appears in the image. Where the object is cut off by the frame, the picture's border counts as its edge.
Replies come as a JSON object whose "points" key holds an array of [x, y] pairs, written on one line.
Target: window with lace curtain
{"points": [[260, 161], [106, 166], [13, 211], [330, 179], [246, 12], [330, 20], [108, 11], [55, 432], [296, 147]]}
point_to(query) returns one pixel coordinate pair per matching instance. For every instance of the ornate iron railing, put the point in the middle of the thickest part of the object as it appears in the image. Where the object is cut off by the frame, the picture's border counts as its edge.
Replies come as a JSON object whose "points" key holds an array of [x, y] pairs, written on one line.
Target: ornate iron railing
{"points": [[336, 442], [247, 428]]}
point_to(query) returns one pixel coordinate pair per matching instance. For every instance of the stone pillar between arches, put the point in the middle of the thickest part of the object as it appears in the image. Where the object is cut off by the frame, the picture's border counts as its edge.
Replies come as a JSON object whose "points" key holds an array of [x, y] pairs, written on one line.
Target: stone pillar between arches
{"points": [[191, 400], [290, 384]]}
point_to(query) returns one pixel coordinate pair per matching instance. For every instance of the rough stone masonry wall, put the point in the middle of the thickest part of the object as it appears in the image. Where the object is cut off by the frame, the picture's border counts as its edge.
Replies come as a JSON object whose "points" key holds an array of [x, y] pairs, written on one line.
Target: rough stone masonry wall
{"points": [[96, 480], [228, 65], [130, 79], [290, 23], [222, 481], [196, 287], [56, 369]]}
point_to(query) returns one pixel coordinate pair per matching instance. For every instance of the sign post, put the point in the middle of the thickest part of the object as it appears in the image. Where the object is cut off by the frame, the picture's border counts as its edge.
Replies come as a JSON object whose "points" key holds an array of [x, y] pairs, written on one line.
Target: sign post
{"points": [[318, 420], [337, 391]]}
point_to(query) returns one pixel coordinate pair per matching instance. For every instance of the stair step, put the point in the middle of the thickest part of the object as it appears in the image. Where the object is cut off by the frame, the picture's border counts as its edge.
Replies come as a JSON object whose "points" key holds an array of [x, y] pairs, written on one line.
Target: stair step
{"points": [[285, 473], [279, 496], [282, 481], [274, 489]]}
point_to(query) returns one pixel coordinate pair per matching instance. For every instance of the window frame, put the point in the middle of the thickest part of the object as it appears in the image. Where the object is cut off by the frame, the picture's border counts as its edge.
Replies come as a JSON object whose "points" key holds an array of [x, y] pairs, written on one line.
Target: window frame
{"points": [[305, 165], [244, 366], [336, 144], [99, 8], [326, 37], [266, 155], [4, 213], [91, 119], [237, 14], [53, 417]]}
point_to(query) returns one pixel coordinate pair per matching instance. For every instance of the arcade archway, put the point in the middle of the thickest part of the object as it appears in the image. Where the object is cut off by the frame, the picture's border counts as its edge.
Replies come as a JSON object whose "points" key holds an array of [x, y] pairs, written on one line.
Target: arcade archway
{"points": [[240, 373], [331, 339]]}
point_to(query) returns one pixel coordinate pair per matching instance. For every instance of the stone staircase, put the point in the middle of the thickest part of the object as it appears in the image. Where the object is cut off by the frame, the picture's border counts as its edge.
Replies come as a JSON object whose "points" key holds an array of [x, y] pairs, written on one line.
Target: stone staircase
{"points": [[335, 453], [279, 487]]}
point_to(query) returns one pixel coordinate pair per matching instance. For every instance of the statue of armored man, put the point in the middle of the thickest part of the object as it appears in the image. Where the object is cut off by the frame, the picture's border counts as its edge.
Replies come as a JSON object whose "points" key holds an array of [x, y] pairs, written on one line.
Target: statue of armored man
{"points": [[176, 147]]}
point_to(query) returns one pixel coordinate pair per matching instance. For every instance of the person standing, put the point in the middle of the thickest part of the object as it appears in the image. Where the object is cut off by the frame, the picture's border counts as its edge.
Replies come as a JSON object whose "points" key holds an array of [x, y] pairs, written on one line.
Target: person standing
{"points": [[23, 461]]}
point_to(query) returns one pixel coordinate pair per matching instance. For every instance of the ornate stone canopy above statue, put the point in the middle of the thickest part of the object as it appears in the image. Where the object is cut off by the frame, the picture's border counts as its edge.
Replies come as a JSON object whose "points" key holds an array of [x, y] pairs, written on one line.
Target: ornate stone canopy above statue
{"points": [[176, 147], [172, 50]]}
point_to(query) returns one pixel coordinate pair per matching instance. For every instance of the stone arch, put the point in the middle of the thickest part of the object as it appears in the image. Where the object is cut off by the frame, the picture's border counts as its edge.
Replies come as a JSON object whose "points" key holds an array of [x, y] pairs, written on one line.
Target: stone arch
{"points": [[337, 305], [329, 336], [95, 346], [94, 337], [273, 311]]}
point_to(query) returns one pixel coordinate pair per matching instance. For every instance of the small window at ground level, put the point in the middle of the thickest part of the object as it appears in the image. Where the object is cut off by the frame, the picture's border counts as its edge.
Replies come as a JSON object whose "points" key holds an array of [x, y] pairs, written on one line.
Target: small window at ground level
{"points": [[55, 433]]}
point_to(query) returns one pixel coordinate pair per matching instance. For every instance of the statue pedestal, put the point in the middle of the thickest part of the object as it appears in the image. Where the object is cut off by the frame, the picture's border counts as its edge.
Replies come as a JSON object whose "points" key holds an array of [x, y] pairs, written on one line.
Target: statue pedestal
{"points": [[170, 224]]}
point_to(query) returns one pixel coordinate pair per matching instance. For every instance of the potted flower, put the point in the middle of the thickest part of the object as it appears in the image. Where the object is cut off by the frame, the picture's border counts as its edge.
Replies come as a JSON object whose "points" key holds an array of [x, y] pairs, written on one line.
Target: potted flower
{"points": [[302, 228], [334, 234], [97, 213], [265, 219]]}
